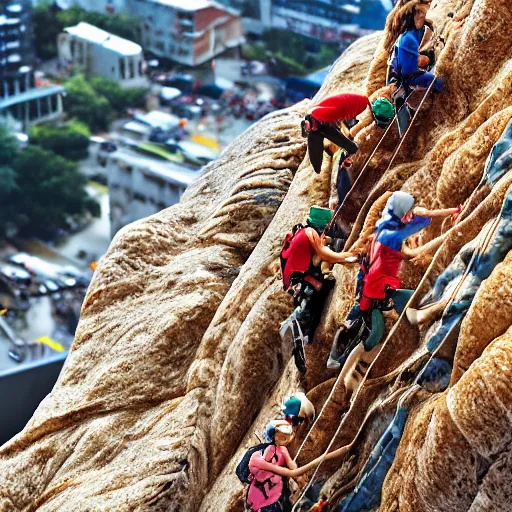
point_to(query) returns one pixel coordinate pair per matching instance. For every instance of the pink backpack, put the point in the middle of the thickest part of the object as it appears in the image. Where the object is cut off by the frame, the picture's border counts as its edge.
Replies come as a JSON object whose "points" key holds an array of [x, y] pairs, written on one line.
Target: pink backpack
{"points": [[266, 488]]}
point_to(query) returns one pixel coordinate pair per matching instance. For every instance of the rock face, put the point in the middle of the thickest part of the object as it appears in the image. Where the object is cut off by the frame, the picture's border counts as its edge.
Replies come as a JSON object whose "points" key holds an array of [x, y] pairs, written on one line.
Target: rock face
{"points": [[178, 361]]}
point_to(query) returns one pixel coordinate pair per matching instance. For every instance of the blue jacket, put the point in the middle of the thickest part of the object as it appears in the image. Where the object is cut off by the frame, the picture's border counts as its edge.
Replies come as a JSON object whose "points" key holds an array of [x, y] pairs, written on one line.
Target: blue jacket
{"points": [[408, 45], [392, 232]]}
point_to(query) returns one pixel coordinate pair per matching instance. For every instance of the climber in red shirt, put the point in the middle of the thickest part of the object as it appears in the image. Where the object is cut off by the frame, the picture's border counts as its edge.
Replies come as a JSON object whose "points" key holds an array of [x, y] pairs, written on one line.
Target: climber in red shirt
{"points": [[304, 251], [379, 284], [322, 122]]}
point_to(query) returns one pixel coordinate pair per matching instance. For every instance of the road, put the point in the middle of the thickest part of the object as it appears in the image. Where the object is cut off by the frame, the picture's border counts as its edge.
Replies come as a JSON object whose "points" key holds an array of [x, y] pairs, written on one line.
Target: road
{"points": [[95, 238]]}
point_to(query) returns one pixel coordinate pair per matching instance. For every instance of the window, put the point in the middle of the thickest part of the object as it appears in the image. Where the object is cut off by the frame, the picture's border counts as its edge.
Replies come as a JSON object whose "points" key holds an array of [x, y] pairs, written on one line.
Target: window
{"points": [[131, 69], [122, 69], [139, 197]]}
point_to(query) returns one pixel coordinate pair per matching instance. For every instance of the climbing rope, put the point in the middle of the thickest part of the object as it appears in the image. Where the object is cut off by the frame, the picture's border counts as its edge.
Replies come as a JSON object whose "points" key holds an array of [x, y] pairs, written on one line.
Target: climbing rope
{"points": [[334, 218], [363, 169], [338, 210]]}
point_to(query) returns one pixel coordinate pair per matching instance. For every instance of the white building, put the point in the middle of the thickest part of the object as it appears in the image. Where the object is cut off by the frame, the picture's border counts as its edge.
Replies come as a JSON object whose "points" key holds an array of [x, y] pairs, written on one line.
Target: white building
{"points": [[140, 186], [100, 53], [190, 32]]}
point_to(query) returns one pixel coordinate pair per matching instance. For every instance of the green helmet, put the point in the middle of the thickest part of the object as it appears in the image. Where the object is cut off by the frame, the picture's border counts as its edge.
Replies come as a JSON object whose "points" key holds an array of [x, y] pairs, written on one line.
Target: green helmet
{"points": [[319, 217], [383, 111]]}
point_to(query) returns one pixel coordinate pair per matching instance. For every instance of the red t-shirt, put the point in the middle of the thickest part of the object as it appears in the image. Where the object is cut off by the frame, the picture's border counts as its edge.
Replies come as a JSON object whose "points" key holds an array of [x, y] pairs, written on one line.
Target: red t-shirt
{"points": [[340, 107], [298, 256]]}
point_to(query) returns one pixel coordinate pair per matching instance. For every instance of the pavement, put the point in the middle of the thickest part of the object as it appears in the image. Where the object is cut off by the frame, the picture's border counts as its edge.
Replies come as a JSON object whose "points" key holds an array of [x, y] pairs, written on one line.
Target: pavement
{"points": [[94, 239]]}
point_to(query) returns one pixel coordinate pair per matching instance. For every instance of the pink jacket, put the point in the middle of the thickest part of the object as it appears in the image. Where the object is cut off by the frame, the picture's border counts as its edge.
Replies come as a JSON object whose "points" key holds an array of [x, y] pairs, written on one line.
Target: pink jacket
{"points": [[266, 487]]}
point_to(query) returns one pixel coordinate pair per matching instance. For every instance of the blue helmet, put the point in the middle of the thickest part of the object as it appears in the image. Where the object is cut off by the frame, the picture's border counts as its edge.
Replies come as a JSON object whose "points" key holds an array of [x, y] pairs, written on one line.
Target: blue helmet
{"points": [[277, 425]]}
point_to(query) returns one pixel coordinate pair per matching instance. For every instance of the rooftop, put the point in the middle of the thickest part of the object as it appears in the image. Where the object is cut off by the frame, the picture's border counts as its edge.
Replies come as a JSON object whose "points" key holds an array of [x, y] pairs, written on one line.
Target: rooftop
{"points": [[196, 5], [166, 171], [106, 39], [187, 5], [32, 94]]}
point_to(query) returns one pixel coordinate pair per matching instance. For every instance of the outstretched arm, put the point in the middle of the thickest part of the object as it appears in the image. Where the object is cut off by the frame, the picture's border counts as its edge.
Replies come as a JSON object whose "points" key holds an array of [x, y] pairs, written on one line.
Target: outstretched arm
{"points": [[294, 473], [324, 253], [445, 212], [289, 461]]}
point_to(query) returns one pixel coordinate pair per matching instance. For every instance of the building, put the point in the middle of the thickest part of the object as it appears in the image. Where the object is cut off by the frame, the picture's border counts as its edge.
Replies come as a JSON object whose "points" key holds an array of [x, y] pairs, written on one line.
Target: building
{"points": [[190, 32], [320, 20], [100, 53], [20, 96], [140, 186], [101, 6]]}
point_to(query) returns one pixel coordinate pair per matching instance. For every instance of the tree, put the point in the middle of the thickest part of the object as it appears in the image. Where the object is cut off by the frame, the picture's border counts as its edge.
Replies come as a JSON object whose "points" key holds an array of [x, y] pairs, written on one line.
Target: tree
{"points": [[8, 181], [48, 22], [119, 99], [51, 190], [70, 141], [46, 30], [121, 25], [83, 103]]}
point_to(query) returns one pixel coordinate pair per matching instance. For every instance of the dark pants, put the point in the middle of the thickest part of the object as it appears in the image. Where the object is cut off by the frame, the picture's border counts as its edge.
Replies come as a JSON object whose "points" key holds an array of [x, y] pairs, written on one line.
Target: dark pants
{"points": [[425, 79], [316, 143], [344, 184], [312, 302]]}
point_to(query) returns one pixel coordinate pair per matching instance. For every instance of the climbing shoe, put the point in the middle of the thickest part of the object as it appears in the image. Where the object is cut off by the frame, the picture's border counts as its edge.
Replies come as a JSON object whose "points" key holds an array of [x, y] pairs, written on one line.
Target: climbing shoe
{"points": [[346, 339]]}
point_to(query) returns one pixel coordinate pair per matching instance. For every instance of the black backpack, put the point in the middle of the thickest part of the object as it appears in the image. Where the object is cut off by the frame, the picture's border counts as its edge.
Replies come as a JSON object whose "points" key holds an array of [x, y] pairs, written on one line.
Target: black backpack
{"points": [[242, 470]]}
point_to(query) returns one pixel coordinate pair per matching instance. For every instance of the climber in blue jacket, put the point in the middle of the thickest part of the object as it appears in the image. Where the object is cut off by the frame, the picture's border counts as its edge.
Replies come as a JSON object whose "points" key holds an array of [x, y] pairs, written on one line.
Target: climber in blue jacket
{"points": [[409, 66]]}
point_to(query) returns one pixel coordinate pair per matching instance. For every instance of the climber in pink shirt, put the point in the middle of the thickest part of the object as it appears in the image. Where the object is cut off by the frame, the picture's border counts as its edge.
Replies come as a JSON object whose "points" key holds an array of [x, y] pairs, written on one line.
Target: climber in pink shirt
{"points": [[271, 466], [268, 491]]}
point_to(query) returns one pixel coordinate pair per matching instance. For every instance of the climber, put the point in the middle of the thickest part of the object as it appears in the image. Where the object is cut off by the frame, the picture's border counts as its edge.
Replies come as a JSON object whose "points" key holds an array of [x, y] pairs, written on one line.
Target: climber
{"points": [[410, 60], [331, 119], [270, 465], [379, 286], [381, 111], [304, 257], [297, 410]]}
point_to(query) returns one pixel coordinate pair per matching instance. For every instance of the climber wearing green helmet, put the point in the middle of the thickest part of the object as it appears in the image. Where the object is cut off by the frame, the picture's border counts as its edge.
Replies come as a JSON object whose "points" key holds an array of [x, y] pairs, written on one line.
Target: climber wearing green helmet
{"points": [[303, 259], [383, 112]]}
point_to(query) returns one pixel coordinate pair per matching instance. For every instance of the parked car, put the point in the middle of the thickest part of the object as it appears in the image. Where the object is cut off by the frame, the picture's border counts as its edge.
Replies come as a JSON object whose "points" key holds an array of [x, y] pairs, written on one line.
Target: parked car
{"points": [[104, 150], [16, 275], [192, 151], [51, 286]]}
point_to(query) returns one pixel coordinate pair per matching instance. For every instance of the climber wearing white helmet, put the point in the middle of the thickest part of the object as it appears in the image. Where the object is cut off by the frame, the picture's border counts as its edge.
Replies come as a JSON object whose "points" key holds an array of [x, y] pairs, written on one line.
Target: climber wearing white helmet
{"points": [[379, 285]]}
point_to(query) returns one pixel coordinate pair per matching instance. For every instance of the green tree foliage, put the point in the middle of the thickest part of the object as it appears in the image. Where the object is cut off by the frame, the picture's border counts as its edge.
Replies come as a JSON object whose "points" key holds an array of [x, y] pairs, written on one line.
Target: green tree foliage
{"points": [[96, 102], [39, 190], [289, 53], [121, 24], [46, 30], [83, 103], [70, 141], [119, 99], [49, 22], [8, 179]]}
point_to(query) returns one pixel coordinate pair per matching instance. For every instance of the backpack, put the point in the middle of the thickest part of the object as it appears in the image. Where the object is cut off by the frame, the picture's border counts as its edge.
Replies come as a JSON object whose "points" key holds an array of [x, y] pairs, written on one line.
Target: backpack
{"points": [[242, 470], [285, 254]]}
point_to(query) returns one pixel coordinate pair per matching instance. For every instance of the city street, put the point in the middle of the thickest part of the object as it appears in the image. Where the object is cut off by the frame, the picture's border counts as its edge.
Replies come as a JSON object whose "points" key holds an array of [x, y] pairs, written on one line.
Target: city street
{"points": [[95, 238]]}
